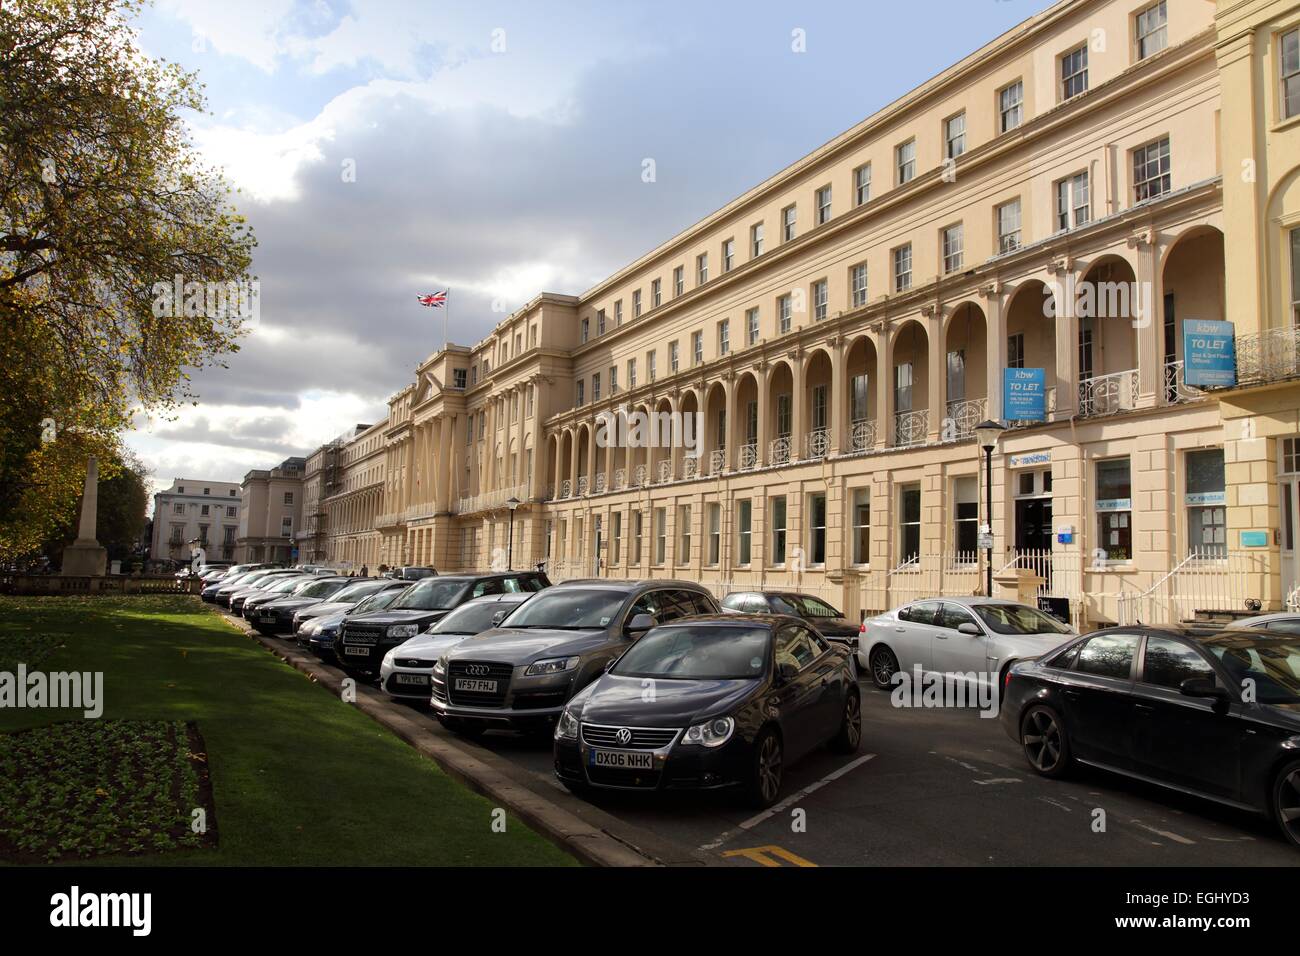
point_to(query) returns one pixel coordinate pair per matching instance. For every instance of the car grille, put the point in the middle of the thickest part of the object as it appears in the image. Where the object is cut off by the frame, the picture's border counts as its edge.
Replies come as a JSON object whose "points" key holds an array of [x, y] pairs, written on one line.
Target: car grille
{"points": [[413, 662], [467, 698], [360, 634], [643, 738]]}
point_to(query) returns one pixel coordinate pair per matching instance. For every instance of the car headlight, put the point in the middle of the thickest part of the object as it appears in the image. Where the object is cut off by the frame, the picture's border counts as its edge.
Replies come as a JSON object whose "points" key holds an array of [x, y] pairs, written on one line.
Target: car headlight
{"points": [[404, 630], [711, 733], [567, 726], [388, 660], [552, 665]]}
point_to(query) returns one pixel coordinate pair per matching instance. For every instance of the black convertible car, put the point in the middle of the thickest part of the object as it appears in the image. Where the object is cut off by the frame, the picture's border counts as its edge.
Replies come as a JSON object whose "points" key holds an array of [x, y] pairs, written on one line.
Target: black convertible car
{"points": [[708, 702], [1210, 713]]}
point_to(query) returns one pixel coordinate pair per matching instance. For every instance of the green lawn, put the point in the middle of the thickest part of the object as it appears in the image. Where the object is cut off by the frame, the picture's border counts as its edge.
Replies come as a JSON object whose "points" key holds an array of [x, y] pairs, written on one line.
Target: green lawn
{"points": [[298, 777]]}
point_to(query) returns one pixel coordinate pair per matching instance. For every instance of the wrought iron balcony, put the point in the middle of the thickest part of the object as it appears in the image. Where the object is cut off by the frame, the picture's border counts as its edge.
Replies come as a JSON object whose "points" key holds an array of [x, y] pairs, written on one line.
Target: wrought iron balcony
{"points": [[1268, 356], [818, 442], [748, 459], [642, 475], [1108, 394], [778, 451], [566, 488], [964, 416], [911, 428], [582, 486], [600, 482], [620, 478], [1176, 387], [862, 436], [690, 466], [665, 471]]}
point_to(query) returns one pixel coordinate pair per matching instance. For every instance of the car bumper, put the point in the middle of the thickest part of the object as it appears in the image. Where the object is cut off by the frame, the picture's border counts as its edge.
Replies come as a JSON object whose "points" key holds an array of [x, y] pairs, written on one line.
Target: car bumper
{"points": [[274, 623], [674, 768], [526, 701], [401, 682]]}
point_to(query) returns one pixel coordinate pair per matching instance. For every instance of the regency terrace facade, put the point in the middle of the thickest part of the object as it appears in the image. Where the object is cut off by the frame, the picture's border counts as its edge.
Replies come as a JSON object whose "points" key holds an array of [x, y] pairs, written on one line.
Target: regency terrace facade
{"points": [[1061, 200]]}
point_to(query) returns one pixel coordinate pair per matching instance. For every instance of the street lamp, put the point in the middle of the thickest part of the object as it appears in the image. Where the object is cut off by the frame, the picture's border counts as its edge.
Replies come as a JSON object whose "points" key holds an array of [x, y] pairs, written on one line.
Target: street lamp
{"points": [[987, 433], [512, 504]]}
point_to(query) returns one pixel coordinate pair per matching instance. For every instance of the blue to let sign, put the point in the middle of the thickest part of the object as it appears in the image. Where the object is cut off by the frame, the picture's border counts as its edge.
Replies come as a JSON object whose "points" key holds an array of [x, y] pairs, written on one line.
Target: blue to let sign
{"points": [[1209, 353], [1024, 394]]}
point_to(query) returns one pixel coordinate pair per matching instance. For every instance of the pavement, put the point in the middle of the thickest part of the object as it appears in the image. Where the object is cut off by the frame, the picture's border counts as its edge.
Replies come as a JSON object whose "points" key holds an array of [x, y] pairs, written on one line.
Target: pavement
{"points": [[929, 787]]}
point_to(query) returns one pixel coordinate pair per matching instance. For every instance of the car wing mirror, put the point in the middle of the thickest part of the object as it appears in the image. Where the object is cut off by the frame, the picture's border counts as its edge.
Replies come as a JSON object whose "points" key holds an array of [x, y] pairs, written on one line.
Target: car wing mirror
{"points": [[1203, 687], [609, 664], [640, 624], [498, 617], [969, 628], [785, 673]]}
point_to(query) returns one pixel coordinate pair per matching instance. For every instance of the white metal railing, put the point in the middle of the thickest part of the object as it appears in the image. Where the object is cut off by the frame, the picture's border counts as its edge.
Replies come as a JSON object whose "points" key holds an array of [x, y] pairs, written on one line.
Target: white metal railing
{"points": [[620, 478], [862, 436], [1205, 580], [391, 520], [1268, 356], [748, 456], [420, 511], [1108, 394], [818, 442], [911, 428], [491, 500], [642, 475], [779, 450], [1176, 387], [665, 470], [964, 416], [717, 461], [566, 488], [690, 466], [583, 485], [550, 492], [600, 482]]}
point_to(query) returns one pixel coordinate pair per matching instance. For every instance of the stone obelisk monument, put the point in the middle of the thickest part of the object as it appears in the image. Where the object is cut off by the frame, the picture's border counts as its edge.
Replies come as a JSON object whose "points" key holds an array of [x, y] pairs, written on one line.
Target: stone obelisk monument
{"points": [[84, 556]]}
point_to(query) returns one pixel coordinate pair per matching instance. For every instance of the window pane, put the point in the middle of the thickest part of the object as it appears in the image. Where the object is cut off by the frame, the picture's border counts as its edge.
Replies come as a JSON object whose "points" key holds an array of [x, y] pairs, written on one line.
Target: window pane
{"points": [[1168, 663], [1108, 655]]}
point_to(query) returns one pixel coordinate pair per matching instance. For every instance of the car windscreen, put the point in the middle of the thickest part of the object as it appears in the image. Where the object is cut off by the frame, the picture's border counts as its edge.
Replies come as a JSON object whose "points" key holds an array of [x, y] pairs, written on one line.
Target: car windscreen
{"points": [[1018, 619], [285, 586], [1271, 664], [698, 653], [568, 609], [357, 590], [431, 595], [377, 602], [802, 606], [472, 618], [230, 579], [247, 580], [322, 589]]}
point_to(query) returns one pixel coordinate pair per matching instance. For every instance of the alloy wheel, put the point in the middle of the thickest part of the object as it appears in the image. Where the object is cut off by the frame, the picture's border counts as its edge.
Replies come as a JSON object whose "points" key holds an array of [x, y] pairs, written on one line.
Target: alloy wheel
{"points": [[853, 720], [1288, 804], [1042, 740], [769, 768], [883, 667]]}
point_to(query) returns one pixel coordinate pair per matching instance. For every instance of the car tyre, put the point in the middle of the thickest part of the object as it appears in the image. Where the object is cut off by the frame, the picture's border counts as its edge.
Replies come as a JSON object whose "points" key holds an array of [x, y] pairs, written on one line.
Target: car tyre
{"points": [[1285, 802], [849, 737], [1045, 743], [884, 665], [765, 770]]}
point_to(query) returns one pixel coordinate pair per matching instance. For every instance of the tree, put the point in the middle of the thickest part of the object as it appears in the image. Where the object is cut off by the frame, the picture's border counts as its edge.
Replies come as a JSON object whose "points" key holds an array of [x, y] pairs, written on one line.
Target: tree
{"points": [[122, 501], [123, 266]]}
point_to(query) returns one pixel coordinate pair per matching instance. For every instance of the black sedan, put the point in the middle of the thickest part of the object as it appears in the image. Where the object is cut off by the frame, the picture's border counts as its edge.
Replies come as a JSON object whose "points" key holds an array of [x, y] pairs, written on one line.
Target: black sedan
{"points": [[709, 702], [1210, 713], [829, 622]]}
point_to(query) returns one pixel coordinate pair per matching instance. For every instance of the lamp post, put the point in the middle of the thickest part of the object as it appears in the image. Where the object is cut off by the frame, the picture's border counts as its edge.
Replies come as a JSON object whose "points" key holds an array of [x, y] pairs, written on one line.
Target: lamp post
{"points": [[512, 504], [987, 433]]}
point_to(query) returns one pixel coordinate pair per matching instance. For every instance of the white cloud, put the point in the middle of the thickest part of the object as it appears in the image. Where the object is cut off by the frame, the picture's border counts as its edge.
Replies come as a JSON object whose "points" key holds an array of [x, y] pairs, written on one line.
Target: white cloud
{"points": [[249, 29]]}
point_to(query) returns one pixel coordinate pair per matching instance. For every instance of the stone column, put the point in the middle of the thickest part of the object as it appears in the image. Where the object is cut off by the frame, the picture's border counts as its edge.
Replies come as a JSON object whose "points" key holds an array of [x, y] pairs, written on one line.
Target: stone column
{"points": [[85, 556]]}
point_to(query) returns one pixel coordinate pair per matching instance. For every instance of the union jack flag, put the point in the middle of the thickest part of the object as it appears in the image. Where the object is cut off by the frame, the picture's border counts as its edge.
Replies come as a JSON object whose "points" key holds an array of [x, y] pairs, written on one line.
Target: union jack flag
{"points": [[434, 300]]}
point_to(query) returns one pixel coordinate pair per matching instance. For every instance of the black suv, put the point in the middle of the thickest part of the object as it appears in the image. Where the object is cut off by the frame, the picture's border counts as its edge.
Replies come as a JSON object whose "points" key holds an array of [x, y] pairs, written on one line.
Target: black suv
{"points": [[366, 638]]}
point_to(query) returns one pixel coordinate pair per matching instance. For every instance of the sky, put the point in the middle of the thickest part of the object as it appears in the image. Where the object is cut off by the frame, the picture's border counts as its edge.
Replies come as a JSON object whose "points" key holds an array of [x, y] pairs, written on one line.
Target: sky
{"points": [[383, 149]]}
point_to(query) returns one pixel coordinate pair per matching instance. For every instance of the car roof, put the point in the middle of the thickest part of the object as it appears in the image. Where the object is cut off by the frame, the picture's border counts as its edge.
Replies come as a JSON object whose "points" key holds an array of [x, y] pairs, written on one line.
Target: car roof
{"points": [[1175, 630], [627, 586], [969, 601], [736, 620], [510, 597]]}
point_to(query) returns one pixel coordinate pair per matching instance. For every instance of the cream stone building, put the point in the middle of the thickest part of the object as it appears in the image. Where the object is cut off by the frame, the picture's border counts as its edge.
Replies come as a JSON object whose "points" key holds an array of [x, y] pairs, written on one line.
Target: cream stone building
{"points": [[1064, 199], [195, 512], [270, 512]]}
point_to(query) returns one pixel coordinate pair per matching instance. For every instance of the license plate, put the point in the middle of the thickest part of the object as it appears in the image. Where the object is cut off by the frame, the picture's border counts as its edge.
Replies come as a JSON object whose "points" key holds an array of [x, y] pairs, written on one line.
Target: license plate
{"points": [[479, 686], [356, 650], [410, 679], [622, 759], [269, 617]]}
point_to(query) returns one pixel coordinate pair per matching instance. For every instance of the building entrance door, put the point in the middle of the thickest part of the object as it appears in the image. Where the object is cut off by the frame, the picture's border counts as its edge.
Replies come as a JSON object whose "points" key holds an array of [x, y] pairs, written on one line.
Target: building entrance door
{"points": [[1033, 524], [1289, 514]]}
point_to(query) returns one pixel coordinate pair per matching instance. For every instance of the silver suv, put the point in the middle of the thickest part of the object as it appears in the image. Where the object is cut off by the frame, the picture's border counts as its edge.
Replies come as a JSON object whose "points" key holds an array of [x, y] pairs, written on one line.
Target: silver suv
{"points": [[521, 673]]}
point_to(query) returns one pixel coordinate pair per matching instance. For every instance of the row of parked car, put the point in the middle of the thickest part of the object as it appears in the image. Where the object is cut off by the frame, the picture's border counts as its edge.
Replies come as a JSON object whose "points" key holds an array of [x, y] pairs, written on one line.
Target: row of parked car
{"points": [[658, 685]]}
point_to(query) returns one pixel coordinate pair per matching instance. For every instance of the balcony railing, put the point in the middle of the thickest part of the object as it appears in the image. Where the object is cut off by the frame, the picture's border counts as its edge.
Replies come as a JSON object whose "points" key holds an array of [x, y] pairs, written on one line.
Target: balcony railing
{"points": [[1176, 387], [964, 416], [582, 486], [911, 428], [600, 482], [1108, 394], [642, 475], [566, 488], [748, 458], [819, 442], [717, 461], [620, 478], [778, 451], [665, 471], [491, 500], [1269, 356], [862, 435], [690, 466]]}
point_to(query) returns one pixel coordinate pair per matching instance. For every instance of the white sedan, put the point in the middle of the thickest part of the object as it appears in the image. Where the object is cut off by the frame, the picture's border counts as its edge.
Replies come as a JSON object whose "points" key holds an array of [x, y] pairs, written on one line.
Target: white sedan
{"points": [[964, 637]]}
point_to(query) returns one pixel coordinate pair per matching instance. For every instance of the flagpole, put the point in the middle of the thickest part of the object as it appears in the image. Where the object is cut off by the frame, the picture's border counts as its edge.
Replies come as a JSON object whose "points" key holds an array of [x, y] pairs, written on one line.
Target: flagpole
{"points": [[446, 312]]}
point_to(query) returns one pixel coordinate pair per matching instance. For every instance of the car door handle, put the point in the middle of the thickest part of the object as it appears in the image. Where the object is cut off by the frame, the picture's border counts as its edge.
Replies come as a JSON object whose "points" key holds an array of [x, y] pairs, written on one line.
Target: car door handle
{"points": [[1144, 708], [941, 637], [899, 630], [1072, 694]]}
